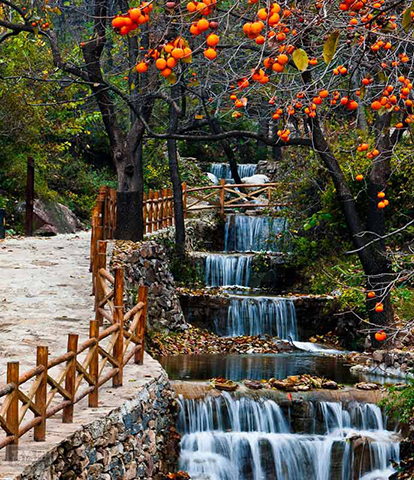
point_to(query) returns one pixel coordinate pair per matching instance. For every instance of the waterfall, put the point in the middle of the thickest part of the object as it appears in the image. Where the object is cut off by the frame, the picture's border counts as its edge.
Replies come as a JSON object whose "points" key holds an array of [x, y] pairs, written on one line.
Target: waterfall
{"points": [[226, 270], [260, 316], [245, 233], [222, 170], [225, 438]]}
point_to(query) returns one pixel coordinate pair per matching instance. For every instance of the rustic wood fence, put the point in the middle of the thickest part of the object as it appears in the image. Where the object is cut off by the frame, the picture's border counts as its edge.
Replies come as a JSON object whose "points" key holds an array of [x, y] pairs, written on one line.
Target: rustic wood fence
{"points": [[158, 206], [55, 385]]}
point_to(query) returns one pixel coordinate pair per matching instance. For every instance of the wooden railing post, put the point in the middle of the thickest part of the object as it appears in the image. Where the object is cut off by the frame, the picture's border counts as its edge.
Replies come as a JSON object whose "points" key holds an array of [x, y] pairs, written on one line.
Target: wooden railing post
{"points": [[13, 411], [144, 213], [99, 291], [94, 365], [185, 199], [42, 359], [161, 211], [100, 203], [156, 211], [119, 319], [150, 210], [140, 332], [70, 381], [170, 208], [222, 195]]}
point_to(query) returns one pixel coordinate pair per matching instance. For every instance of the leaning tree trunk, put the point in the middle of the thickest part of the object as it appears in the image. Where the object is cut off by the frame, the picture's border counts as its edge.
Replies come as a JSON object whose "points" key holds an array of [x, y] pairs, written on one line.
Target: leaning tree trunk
{"points": [[371, 251], [175, 177]]}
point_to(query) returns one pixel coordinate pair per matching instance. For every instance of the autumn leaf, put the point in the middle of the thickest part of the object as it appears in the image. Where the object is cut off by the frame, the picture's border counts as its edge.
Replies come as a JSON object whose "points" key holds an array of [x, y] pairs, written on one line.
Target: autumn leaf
{"points": [[300, 58], [407, 22], [330, 46]]}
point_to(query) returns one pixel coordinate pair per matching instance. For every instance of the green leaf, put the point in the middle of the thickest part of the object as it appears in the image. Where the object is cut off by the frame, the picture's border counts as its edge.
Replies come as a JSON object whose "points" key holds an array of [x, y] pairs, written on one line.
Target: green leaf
{"points": [[407, 21], [300, 58], [307, 226], [188, 59], [330, 46], [172, 78]]}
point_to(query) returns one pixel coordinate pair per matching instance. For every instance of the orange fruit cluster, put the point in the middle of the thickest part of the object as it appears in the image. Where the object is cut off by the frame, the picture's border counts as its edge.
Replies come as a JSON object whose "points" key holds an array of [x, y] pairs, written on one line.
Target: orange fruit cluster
{"points": [[204, 8], [352, 5], [201, 25], [259, 75], [284, 134], [272, 16], [340, 70], [389, 100], [379, 307], [133, 19], [166, 57], [383, 202]]}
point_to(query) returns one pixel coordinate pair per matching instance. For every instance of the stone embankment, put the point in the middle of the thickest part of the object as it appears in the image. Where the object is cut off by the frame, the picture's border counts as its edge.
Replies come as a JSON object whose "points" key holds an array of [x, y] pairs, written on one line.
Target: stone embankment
{"points": [[130, 436], [390, 363]]}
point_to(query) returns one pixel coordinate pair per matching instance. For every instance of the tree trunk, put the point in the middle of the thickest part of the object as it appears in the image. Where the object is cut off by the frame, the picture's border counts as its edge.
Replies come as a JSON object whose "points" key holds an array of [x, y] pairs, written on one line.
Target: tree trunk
{"points": [[175, 178], [216, 128], [129, 221], [372, 255]]}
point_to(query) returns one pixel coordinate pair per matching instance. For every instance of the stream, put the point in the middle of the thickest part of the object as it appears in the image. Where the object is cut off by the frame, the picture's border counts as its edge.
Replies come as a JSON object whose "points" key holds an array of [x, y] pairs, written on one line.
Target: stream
{"points": [[250, 437]]}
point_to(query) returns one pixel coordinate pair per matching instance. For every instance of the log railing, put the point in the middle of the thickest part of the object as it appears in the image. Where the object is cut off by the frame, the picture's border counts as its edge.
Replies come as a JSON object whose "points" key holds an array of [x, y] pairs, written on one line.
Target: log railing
{"points": [[224, 197], [55, 385]]}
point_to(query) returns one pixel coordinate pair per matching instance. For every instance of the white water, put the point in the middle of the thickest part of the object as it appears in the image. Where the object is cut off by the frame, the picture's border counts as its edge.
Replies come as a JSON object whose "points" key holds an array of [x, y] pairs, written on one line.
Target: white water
{"points": [[227, 270], [222, 170], [261, 316], [315, 348], [245, 439], [245, 233]]}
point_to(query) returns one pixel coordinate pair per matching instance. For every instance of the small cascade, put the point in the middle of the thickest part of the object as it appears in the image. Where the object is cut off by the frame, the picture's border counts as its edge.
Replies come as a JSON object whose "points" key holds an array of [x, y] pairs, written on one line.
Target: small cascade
{"points": [[246, 439], [245, 233], [227, 270], [222, 170], [260, 316]]}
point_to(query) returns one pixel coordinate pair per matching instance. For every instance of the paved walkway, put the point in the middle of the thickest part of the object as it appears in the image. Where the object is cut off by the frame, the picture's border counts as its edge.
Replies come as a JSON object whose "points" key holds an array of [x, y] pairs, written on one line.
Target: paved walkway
{"points": [[45, 293]]}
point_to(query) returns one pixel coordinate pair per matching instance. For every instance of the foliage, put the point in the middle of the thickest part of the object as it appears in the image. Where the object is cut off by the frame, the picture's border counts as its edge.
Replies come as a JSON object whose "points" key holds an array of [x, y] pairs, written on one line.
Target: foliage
{"points": [[56, 133], [400, 402], [186, 271]]}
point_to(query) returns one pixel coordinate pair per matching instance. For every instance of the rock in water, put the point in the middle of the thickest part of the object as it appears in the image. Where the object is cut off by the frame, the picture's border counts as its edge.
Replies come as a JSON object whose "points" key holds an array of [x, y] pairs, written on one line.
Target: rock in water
{"points": [[366, 386]]}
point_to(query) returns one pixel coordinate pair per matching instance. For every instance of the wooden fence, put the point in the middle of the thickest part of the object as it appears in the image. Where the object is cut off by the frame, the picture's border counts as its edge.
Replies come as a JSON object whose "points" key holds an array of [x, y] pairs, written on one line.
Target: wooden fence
{"points": [[158, 207], [58, 384], [225, 197]]}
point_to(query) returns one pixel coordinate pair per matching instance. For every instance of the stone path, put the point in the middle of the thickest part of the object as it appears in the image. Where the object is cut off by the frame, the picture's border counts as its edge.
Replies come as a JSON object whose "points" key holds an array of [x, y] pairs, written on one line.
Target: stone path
{"points": [[45, 293]]}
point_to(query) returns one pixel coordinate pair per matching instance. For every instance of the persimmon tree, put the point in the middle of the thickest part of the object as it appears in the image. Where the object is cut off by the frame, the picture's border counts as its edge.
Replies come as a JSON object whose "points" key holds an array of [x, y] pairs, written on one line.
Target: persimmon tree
{"points": [[292, 70], [315, 64]]}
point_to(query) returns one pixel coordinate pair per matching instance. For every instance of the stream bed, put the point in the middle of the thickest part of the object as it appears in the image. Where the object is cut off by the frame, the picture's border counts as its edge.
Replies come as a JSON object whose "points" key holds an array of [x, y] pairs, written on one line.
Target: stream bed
{"points": [[250, 437]]}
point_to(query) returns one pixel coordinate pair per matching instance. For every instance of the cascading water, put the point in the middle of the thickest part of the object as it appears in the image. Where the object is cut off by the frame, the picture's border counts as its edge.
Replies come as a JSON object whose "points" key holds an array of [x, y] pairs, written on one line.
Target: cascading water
{"points": [[222, 170], [245, 233], [246, 439], [260, 316], [227, 270]]}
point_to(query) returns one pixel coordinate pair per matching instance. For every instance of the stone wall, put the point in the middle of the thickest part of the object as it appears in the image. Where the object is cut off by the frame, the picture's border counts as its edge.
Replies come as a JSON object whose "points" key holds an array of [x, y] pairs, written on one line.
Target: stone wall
{"points": [[146, 264], [136, 440], [392, 363]]}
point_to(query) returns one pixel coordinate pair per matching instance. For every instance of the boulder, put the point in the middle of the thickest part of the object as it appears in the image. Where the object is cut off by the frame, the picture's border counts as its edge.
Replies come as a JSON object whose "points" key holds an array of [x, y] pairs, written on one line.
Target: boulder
{"points": [[51, 218], [256, 179], [213, 179]]}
